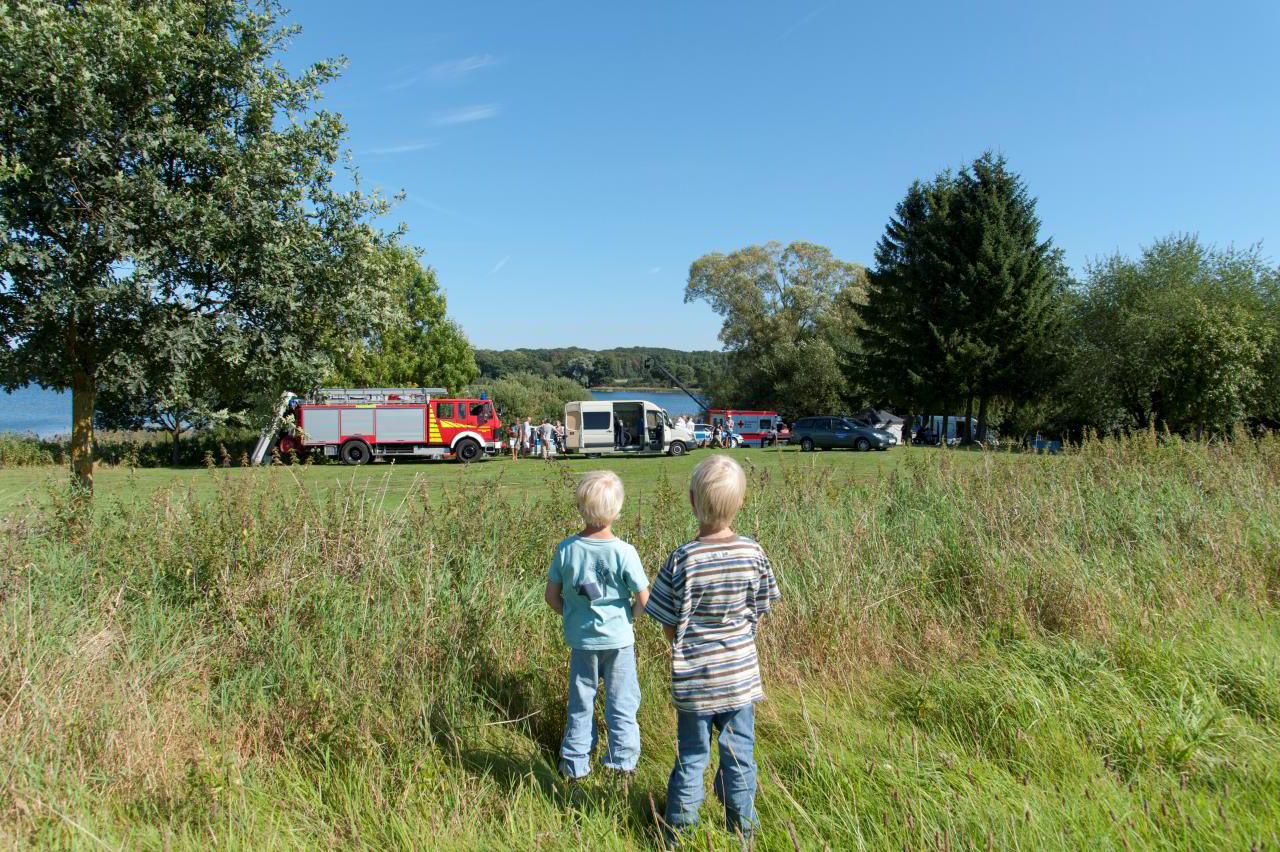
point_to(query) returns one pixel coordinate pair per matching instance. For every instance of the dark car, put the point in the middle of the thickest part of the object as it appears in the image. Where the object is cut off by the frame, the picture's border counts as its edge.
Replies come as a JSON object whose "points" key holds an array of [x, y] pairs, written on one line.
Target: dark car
{"points": [[829, 433]]}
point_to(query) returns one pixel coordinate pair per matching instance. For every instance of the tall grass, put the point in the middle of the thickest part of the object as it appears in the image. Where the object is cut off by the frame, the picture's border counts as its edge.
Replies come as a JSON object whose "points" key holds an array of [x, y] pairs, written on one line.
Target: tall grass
{"points": [[1023, 652]]}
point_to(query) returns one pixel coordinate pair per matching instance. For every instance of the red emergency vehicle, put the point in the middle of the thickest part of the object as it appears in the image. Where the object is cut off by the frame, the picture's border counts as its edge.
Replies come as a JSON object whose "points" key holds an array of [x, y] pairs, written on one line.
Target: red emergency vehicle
{"points": [[358, 425], [757, 428]]}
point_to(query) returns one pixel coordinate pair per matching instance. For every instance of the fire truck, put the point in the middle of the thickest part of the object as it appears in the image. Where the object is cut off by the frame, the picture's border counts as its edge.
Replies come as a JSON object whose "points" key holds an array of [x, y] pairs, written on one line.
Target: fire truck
{"points": [[358, 425]]}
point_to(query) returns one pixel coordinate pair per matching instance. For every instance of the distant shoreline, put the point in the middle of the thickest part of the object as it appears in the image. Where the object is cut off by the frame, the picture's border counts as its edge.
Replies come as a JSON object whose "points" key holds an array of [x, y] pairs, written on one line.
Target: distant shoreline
{"points": [[643, 388]]}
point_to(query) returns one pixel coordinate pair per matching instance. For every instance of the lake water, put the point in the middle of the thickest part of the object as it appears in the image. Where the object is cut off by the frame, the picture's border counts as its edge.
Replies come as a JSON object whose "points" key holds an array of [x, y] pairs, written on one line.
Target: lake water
{"points": [[31, 409], [48, 413], [674, 402]]}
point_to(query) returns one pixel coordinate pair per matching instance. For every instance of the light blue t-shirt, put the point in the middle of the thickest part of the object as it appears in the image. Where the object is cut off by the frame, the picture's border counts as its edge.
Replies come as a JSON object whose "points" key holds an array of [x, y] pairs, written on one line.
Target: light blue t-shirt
{"points": [[597, 577]]}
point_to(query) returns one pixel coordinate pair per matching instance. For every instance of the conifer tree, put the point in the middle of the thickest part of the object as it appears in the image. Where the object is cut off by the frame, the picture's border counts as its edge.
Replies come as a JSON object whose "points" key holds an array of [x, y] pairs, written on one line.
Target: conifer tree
{"points": [[1007, 287]]}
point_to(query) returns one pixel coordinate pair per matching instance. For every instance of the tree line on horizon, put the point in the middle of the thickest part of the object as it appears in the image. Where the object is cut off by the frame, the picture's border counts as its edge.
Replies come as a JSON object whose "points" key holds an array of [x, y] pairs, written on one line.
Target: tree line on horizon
{"points": [[619, 366]]}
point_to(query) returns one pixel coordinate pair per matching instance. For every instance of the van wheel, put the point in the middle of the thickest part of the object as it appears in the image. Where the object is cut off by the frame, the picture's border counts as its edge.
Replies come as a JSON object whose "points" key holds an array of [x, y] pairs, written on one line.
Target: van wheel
{"points": [[467, 450], [862, 445], [355, 452], [807, 445], [677, 448]]}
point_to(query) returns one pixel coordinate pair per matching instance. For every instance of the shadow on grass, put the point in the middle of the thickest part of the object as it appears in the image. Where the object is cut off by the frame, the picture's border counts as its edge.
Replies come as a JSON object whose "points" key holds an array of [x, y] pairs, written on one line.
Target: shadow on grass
{"points": [[533, 706]]}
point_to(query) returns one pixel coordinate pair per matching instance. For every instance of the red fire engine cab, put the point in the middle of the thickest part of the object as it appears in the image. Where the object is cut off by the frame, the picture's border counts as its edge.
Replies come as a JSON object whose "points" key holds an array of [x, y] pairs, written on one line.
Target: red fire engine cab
{"points": [[757, 428], [358, 425]]}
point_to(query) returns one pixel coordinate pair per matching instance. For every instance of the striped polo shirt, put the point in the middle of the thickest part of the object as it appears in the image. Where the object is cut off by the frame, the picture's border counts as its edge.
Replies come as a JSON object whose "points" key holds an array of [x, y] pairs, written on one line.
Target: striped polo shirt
{"points": [[713, 593]]}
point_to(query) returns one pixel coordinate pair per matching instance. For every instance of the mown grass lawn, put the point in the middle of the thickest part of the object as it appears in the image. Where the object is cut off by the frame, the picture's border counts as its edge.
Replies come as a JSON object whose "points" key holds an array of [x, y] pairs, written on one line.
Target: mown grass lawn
{"points": [[393, 481]]}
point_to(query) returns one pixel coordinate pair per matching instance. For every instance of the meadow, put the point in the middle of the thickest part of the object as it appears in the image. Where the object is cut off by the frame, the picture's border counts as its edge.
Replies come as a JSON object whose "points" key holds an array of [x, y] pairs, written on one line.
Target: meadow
{"points": [[390, 482], [973, 651]]}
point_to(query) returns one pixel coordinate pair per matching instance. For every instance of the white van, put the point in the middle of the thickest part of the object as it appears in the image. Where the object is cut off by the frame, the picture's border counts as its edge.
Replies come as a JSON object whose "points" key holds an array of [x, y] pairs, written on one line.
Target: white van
{"points": [[596, 427]]}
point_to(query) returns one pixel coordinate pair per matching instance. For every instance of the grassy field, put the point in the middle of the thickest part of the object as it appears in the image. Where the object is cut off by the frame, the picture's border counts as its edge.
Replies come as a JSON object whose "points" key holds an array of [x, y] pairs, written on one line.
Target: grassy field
{"points": [[392, 482], [972, 652]]}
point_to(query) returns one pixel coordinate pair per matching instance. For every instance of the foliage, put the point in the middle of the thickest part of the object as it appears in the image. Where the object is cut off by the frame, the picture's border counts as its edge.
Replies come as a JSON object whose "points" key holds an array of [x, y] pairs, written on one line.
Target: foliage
{"points": [[1181, 338], [416, 347], [522, 395], [1031, 653], [17, 450], [164, 172], [623, 366], [784, 312], [147, 449], [178, 385], [965, 301], [906, 359]]}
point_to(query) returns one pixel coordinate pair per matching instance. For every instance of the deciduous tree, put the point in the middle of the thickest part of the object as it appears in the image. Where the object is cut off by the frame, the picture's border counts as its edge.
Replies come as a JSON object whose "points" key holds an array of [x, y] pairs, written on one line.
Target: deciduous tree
{"points": [[417, 345], [780, 309], [156, 155], [1180, 338]]}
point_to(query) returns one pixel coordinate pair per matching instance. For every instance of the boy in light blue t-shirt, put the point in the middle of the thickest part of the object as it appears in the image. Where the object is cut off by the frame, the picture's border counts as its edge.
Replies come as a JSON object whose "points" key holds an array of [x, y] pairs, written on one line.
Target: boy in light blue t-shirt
{"points": [[597, 584]]}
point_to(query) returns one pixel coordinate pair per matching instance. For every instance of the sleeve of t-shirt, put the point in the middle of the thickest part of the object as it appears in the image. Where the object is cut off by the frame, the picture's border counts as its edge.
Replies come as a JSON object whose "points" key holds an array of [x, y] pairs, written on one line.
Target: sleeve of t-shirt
{"points": [[555, 574], [766, 586], [633, 571], [663, 602]]}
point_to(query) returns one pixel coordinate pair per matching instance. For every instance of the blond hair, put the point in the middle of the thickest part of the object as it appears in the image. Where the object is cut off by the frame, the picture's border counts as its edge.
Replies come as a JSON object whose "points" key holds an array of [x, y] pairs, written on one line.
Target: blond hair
{"points": [[599, 498], [717, 490]]}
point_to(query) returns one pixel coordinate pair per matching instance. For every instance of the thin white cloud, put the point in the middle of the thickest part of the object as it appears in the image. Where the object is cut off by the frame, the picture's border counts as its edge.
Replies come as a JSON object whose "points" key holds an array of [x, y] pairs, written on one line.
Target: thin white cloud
{"points": [[655, 270], [465, 115], [406, 148], [497, 267], [456, 68], [445, 72], [804, 19]]}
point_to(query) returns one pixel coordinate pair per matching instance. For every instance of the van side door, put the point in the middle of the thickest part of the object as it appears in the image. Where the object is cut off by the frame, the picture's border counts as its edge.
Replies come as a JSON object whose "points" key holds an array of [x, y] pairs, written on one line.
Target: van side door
{"points": [[597, 431]]}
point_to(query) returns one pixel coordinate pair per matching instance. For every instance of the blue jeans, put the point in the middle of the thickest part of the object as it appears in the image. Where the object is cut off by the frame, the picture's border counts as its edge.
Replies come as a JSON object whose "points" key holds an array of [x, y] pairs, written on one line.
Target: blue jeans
{"points": [[621, 701], [735, 781]]}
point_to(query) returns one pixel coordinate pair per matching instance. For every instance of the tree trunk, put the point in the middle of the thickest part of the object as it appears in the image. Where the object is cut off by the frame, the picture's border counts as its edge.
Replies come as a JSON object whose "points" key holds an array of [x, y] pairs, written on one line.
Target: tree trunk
{"points": [[83, 399], [906, 429], [982, 419], [177, 434], [968, 420]]}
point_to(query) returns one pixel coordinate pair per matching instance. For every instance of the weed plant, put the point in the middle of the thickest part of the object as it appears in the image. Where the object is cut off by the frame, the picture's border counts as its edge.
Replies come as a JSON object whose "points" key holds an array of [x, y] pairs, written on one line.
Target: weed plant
{"points": [[1022, 652]]}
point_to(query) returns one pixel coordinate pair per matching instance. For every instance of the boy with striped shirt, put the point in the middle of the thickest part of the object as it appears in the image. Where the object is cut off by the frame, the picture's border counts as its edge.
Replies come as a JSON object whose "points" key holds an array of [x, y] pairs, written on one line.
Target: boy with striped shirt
{"points": [[709, 596]]}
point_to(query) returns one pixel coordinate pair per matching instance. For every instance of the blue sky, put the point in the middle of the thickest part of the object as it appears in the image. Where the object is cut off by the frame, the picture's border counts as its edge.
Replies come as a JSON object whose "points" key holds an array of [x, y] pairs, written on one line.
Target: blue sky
{"points": [[566, 162]]}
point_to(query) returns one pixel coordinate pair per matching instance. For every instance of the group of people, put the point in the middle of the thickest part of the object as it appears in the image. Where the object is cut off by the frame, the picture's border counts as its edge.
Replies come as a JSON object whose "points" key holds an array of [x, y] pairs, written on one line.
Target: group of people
{"points": [[708, 597], [718, 435], [545, 440]]}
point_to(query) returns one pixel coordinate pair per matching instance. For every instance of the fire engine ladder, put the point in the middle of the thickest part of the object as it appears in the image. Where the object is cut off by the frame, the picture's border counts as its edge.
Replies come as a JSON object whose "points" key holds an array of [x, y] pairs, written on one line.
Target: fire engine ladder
{"points": [[268, 434], [373, 396]]}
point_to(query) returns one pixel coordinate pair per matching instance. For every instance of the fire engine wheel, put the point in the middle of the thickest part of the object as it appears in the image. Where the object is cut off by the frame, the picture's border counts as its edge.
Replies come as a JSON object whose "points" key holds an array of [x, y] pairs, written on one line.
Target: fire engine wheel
{"points": [[467, 451], [677, 448], [355, 452]]}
